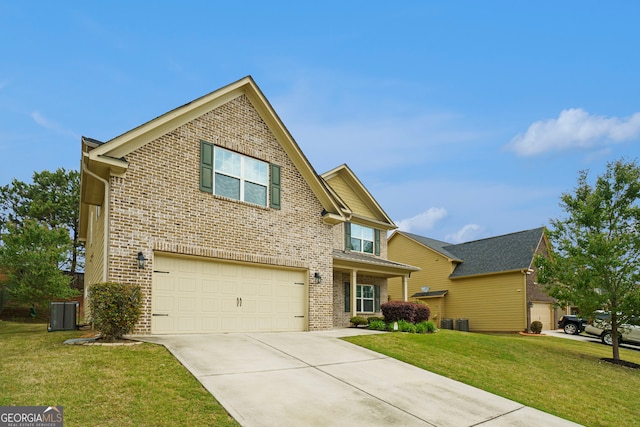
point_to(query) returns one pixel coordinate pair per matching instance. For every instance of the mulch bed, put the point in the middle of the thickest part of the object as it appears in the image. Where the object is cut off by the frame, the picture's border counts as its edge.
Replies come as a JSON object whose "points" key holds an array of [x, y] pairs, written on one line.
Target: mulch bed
{"points": [[621, 363]]}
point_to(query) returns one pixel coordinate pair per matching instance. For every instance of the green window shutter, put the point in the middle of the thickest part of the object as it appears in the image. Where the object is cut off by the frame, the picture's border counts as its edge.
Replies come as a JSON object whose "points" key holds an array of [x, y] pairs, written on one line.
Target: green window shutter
{"points": [[377, 298], [377, 242], [275, 186], [206, 167], [347, 297], [347, 236]]}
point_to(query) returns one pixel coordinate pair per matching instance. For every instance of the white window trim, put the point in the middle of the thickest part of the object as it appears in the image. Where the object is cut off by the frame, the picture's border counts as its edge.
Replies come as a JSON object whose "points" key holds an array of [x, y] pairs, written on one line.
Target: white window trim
{"points": [[362, 239], [360, 299], [241, 178]]}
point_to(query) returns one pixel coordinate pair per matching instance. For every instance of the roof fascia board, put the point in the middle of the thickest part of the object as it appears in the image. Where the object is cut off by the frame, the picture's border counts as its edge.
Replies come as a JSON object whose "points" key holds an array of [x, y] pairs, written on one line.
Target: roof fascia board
{"points": [[364, 267], [427, 247], [288, 143], [372, 222], [346, 173], [524, 271], [136, 138]]}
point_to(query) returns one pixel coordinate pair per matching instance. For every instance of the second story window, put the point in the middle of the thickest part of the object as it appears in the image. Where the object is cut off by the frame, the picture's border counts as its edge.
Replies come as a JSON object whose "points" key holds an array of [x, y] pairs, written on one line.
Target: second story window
{"points": [[362, 239], [239, 177]]}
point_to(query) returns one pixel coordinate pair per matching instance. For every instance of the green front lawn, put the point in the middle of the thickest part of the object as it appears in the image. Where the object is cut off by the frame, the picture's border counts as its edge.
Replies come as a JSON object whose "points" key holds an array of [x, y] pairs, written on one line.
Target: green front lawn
{"points": [[143, 385], [556, 375], [140, 385]]}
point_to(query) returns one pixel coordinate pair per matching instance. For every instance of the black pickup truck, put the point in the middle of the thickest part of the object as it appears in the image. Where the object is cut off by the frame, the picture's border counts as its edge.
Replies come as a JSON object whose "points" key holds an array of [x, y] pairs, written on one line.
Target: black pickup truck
{"points": [[571, 324]]}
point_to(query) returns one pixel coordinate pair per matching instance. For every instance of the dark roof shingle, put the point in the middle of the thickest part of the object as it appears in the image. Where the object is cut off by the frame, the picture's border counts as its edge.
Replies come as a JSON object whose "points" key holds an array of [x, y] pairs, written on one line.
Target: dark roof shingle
{"points": [[509, 252]]}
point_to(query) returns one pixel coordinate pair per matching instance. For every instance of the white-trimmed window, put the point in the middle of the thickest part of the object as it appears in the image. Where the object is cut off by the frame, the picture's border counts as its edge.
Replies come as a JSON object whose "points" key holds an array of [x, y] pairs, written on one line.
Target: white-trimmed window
{"points": [[365, 299], [236, 176], [240, 177], [362, 239]]}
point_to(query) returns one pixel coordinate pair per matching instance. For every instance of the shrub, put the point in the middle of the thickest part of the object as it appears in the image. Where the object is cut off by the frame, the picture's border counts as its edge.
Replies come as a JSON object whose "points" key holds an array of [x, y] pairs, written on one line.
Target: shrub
{"points": [[378, 325], [421, 313], [115, 308], [408, 311], [425, 327], [359, 320], [374, 318], [404, 326], [536, 326]]}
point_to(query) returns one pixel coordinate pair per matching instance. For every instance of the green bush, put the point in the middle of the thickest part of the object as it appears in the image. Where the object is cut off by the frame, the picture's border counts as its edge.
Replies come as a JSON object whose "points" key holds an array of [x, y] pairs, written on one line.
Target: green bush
{"points": [[115, 308], [378, 325], [359, 320], [404, 326], [426, 327], [536, 326], [374, 318]]}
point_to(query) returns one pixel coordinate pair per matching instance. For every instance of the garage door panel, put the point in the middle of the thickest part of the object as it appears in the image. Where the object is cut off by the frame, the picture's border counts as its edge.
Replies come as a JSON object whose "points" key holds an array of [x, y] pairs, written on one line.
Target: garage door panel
{"points": [[210, 305], [191, 295], [164, 304], [210, 286], [188, 284]]}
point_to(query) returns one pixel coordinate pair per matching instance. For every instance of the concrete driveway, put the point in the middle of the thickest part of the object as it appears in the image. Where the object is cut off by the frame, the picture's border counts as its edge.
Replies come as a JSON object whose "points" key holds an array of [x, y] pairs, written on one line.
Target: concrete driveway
{"points": [[315, 379]]}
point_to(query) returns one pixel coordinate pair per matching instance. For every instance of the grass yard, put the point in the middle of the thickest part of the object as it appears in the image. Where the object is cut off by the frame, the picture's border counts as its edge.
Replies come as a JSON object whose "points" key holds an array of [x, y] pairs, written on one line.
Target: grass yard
{"points": [[140, 385], [559, 376]]}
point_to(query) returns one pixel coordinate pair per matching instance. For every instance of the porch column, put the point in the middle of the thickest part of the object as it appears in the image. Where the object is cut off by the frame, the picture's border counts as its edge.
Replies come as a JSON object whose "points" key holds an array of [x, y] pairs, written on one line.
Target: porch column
{"points": [[354, 283], [405, 288]]}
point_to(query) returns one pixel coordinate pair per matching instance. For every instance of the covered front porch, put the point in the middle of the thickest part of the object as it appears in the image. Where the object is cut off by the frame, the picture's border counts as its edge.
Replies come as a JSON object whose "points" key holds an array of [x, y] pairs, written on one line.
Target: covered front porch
{"points": [[360, 284]]}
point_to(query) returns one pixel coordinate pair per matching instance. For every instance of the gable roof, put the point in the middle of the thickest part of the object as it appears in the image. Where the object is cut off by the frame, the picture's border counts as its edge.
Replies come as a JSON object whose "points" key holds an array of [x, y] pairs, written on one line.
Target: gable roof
{"points": [[109, 158], [360, 204], [509, 252], [433, 244]]}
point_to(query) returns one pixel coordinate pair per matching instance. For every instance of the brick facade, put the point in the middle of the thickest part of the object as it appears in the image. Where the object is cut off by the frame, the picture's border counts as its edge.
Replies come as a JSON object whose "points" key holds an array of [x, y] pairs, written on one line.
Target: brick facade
{"points": [[340, 316], [158, 206], [154, 204]]}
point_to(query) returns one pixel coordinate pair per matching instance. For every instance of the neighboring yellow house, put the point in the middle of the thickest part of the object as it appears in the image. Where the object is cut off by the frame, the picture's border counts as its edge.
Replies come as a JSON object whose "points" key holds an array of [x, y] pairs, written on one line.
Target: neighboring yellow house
{"points": [[489, 282]]}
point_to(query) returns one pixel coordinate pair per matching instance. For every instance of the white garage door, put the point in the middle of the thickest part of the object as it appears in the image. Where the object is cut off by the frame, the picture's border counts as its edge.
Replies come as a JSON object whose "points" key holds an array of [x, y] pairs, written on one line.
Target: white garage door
{"points": [[194, 296], [542, 312]]}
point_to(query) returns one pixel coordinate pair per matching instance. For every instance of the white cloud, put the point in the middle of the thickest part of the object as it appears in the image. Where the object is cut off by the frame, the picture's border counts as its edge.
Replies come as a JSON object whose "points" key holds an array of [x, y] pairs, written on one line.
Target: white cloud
{"points": [[467, 233], [51, 125], [574, 128], [423, 221]]}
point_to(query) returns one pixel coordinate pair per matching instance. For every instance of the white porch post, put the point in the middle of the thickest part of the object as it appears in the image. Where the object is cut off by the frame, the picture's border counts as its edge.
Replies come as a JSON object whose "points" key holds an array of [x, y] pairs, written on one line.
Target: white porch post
{"points": [[354, 279], [405, 288]]}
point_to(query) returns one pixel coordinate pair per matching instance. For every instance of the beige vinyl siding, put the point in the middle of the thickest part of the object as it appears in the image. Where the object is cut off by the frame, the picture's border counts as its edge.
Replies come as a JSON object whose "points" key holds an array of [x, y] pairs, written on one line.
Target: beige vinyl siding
{"points": [[350, 197], [95, 248], [94, 252]]}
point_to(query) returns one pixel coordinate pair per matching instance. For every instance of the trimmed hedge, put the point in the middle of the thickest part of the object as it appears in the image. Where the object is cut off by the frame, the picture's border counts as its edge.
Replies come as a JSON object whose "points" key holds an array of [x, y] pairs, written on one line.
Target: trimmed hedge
{"points": [[115, 308], [411, 312], [359, 321]]}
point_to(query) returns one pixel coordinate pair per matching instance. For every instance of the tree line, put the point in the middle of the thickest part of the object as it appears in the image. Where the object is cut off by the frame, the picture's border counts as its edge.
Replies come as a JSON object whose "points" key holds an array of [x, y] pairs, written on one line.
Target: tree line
{"points": [[39, 246]]}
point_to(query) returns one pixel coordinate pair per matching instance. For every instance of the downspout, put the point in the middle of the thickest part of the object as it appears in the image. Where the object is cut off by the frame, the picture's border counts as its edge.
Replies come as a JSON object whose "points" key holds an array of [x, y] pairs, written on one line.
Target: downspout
{"points": [[105, 249]]}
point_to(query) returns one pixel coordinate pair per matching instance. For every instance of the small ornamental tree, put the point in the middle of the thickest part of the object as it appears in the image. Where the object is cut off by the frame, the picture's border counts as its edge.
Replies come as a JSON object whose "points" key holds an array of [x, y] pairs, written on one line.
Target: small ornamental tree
{"points": [[115, 308], [595, 257]]}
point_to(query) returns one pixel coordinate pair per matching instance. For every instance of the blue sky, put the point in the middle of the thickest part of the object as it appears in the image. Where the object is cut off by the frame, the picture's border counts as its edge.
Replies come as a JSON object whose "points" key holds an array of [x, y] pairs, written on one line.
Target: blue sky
{"points": [[464, 119]]}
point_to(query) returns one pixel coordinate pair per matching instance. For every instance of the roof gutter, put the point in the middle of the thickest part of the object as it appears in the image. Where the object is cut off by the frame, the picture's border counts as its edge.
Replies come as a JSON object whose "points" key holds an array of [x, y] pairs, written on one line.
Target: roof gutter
{"points": [[105, 249]]}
